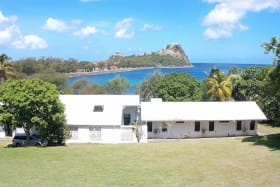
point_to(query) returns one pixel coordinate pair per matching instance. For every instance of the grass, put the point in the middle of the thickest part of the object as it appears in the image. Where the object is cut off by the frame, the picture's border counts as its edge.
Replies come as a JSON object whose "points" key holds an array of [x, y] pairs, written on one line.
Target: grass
{"points": [[192, 162], [269, 128]]}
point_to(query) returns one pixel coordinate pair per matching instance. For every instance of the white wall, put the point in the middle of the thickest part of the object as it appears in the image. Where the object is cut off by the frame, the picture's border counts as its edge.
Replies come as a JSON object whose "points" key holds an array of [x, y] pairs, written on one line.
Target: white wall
{"points": [[109, 134], [2, 132], [187, 129]]}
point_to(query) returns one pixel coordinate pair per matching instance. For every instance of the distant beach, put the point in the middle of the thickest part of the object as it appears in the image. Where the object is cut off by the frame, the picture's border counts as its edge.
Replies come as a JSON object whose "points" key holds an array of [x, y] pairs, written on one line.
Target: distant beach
{"points": [[100, 72]]}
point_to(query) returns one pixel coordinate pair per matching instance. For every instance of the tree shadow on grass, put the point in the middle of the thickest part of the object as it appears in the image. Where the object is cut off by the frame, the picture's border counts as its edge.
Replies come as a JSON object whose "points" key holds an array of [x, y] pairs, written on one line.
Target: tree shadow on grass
{"points": [[271, 141]]}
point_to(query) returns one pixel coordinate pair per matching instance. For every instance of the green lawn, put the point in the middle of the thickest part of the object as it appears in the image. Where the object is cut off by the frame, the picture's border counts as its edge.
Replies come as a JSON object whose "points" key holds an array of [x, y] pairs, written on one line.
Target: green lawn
{"points": [[251, 161]]}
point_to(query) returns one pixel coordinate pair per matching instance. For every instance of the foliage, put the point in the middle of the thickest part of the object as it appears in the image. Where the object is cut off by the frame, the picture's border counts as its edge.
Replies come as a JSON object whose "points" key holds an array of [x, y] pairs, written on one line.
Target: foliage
{"points": [[218, 86], [83, 86], [274, 47], [34, 104], [148, 60], [59, 79], [273, 102], [118, 85], [252, 85], [178, 87], [147, 88], [31, 66], [6, 69]]}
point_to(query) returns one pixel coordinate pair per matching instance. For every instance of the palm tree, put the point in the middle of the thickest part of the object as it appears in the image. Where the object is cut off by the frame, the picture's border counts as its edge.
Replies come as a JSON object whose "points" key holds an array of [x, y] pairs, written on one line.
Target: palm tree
{"points": [[220, 87], [6, 69], [274, 47]]}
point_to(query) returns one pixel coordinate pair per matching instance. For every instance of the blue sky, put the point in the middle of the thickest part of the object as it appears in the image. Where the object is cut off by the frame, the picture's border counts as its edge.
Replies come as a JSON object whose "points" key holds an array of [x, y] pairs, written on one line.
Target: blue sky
{"points": [[222, 31]]}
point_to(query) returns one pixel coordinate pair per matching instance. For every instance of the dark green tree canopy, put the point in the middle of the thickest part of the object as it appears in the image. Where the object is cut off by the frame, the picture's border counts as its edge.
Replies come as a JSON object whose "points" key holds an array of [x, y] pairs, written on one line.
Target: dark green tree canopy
{"points": [[147, 88], [178, 87], [34, 103], [83, 87], [118, 85]]}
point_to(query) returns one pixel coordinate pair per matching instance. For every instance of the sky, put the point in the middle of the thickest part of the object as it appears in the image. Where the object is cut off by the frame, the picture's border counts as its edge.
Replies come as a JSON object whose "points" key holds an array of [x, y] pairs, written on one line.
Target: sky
{"points": [[210, 31]]}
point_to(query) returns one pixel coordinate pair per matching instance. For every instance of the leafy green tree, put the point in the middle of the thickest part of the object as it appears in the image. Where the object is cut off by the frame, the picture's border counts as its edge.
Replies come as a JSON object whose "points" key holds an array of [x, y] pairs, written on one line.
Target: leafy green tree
{"points": [[252, 85], [274, 47], [84, 87], [178, 87], [6, 69], [147, 88], [271, 106], [85, 66], [220, 86], [59, 79], [34, 104], [118, 85]]}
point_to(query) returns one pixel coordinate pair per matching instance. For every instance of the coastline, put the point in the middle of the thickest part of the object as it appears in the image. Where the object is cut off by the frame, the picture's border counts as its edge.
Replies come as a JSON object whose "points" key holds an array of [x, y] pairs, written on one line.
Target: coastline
{"points": [[101, 72]]}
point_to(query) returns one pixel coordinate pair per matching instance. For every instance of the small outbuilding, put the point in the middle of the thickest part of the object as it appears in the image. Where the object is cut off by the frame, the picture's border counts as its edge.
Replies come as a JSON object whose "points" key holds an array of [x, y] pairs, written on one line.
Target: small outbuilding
{"points": [[200, 119]]}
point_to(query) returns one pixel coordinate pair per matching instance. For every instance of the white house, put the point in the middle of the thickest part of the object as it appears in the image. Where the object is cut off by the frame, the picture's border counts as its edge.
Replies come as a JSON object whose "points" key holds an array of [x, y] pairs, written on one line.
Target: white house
{"points": [[200, 119], [102, 118], [108, 118]]}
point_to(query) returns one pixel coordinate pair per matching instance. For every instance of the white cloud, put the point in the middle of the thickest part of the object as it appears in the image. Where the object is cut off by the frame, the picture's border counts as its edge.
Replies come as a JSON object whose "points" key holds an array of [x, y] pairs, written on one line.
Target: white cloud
{"points": [[30, 41], [85, 31], [151, 27], [55, 25], [10, 35], [3, 18], [124, 28], [227, 15]]}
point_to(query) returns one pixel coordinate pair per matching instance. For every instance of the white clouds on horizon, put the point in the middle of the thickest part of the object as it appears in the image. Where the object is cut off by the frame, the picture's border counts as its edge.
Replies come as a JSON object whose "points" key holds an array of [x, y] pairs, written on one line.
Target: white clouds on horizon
{"points": [[124, 29], [85, 31], [55, 25], [227, 15], [10, 35]]}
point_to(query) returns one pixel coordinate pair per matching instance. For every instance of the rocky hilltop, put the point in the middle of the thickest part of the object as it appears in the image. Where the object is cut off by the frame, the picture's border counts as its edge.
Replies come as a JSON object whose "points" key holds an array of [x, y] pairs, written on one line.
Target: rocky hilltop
{"points": [[176, 51], [171, 56]]}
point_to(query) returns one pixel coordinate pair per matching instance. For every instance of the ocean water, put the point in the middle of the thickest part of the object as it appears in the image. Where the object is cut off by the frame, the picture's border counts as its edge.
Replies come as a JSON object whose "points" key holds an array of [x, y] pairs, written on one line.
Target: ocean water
{"points": [[199, 70]]}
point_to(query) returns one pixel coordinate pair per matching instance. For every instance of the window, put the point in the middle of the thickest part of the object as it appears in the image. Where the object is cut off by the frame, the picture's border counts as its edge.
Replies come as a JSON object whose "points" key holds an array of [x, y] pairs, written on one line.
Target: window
{"points": [[150, 126], [211, 125], [95, 133], [252, 125], [98, 108], [126, 119], [179, 121], [164, 127], [238, 125], [197, 126], [223, 121]]}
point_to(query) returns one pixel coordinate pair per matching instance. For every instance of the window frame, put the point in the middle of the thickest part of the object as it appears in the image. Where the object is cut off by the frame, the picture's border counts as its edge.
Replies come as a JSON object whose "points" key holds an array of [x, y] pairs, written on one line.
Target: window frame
{"points": [[197, 126], [164, 127], [98, 108], [150, 126], [211, 126], [125, 119], [238, 125], [252, 125]]}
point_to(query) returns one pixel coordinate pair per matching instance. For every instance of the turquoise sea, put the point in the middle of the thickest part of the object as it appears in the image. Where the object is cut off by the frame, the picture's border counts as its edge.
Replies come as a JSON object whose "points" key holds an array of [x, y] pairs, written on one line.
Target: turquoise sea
{"points": [[199, 71]]}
